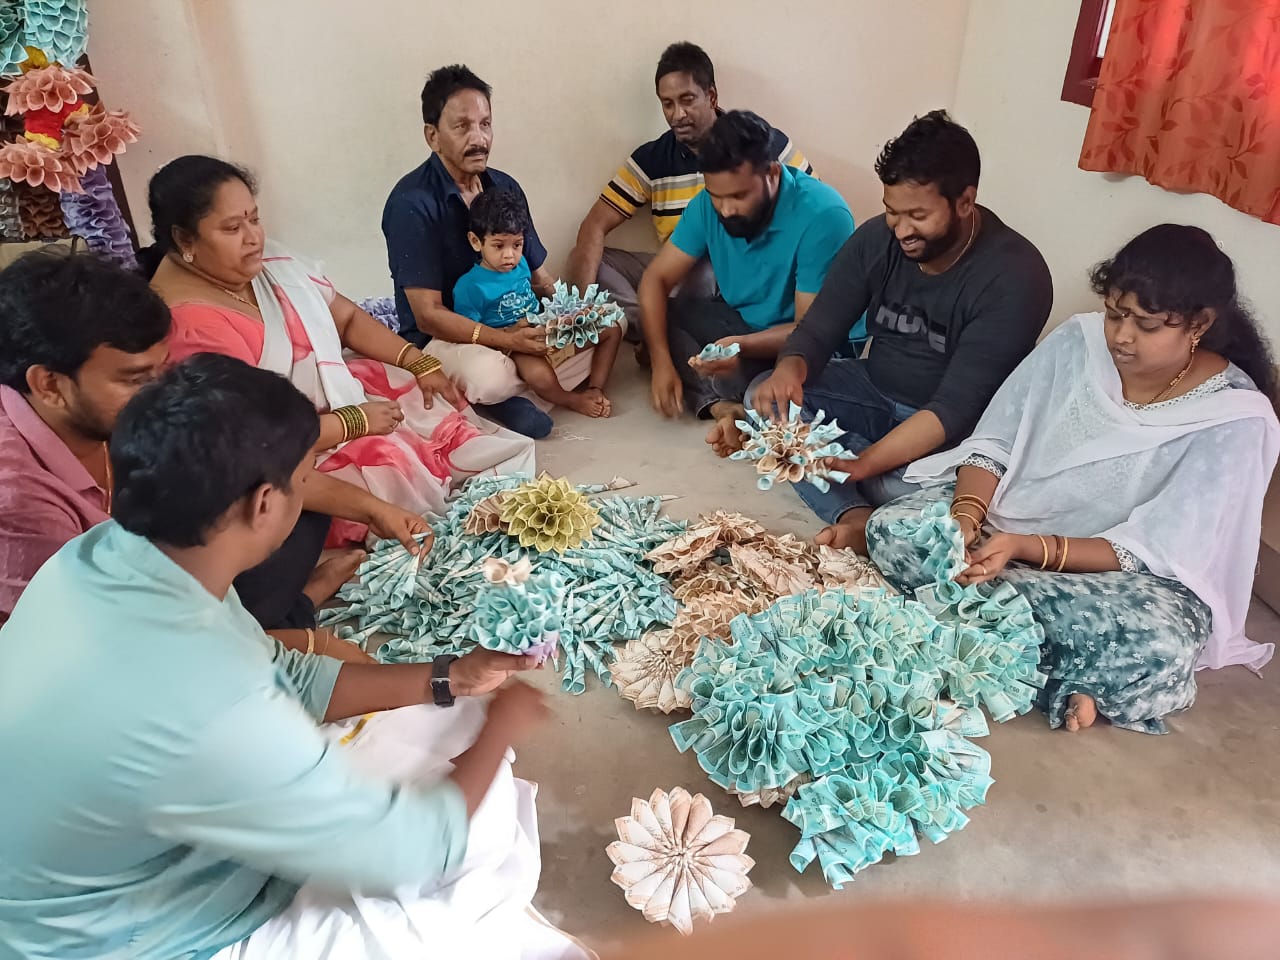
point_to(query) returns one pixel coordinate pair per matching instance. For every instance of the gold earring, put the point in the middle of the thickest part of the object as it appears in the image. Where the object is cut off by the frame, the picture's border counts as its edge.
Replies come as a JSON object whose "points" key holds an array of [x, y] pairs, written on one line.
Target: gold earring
{"points": [[188, 256]]}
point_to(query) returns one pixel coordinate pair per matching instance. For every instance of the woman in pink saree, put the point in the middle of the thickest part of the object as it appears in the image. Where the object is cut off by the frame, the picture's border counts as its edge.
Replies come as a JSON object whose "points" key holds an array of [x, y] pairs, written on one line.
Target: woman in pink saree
{"points": [[391, 422]]}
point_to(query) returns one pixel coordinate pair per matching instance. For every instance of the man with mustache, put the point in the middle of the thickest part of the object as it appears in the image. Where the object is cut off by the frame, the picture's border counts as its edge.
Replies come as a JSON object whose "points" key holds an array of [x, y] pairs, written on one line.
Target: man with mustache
{"points": [[664, 174], [425, 225], [770, 233], [954, 301]]}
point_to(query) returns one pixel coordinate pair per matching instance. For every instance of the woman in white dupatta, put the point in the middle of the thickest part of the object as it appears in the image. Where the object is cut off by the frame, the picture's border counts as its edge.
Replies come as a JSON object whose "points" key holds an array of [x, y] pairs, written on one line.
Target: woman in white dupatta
{"points": [[1116, 482], [391, 422]]}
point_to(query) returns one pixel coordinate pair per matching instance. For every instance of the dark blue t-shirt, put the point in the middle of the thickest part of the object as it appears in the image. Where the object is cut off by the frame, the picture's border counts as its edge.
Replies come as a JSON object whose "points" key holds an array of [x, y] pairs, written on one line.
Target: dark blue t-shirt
{"points": [[425, 225]]}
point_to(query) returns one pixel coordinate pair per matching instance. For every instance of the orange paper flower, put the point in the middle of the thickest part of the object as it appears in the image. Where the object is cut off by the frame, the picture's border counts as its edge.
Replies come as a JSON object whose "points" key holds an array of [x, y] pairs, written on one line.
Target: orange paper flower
{"points": [[47, 88], [92, 138], [33, 163]]}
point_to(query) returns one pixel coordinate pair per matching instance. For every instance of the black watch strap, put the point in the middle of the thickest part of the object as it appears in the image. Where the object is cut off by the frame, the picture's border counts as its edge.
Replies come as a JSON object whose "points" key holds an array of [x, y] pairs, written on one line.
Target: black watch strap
{"points": [[441, 692]]}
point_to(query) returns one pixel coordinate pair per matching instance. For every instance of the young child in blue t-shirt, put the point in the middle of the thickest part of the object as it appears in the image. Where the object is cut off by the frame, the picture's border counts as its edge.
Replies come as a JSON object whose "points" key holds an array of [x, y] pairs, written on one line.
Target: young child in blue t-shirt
{"points": [[497, 292]]}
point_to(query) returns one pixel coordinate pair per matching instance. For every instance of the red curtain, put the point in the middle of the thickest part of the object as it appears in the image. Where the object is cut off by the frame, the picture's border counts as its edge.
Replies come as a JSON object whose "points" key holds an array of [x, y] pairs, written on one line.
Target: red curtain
{"points": [[1189, 98]]}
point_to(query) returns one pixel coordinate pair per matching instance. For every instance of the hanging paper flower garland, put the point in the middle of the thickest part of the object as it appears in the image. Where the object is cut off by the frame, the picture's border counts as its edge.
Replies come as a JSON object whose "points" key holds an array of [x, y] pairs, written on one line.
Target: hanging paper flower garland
{"points": [[95, 216], [66, 141]]}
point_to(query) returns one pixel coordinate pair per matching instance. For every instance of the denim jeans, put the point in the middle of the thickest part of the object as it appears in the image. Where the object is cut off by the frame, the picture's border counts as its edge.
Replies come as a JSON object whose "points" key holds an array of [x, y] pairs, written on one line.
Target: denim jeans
{"points": [[844, 392], [691, 325]]}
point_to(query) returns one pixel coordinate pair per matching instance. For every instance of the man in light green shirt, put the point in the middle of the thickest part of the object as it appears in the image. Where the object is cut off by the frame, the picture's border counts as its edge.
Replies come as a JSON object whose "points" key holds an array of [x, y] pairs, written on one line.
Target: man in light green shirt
{"points": [[168, 788]]}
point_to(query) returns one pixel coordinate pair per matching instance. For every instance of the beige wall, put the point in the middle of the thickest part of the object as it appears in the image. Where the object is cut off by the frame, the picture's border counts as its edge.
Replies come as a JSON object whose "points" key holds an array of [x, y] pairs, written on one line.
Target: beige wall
{"points": [[1015, 53], [324, 106]]}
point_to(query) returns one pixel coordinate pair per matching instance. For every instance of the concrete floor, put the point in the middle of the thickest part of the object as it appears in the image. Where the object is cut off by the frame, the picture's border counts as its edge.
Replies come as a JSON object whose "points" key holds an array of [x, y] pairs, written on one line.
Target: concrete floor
{"points": [[1102, 813]]}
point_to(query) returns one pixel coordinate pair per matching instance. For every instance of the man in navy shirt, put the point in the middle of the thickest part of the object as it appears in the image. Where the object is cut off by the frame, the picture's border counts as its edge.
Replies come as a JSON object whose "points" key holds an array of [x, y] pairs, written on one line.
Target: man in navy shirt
{"points": [[425, 225]]}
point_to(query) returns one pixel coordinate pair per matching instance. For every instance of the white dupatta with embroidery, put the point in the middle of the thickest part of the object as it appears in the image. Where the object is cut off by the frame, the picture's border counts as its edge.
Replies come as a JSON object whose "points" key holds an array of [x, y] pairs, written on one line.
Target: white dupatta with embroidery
{"points": [[1180, 485]]}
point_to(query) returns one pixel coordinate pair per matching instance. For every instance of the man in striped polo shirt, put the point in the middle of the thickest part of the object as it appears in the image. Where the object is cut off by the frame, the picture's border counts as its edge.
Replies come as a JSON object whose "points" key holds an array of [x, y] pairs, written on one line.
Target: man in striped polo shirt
{"points": [[664, 174]]}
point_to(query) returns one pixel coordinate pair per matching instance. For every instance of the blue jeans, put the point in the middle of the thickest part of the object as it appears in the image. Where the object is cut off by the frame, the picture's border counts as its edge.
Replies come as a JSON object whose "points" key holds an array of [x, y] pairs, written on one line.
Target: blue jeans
{"points": [[844, 392]]}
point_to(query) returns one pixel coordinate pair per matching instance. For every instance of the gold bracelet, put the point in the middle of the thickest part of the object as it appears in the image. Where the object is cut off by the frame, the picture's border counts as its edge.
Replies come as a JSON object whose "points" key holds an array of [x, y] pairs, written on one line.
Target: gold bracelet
{"points": [[475, 334], [1066, 545], [424, 365], [1044, 545], [957, 514], [311, 641], [400, 356], [971, 498], [328, 635]]}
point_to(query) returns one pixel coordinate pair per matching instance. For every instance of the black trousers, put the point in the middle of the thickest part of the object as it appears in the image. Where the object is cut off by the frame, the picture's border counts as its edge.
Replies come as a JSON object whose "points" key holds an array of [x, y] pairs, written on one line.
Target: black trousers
{"points": [[272, 591], [691, 325]]}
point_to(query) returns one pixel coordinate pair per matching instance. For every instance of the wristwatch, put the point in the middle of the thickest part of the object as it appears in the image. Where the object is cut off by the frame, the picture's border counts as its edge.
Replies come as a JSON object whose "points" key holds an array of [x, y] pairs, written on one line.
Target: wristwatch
{"points": [[441, 692]]}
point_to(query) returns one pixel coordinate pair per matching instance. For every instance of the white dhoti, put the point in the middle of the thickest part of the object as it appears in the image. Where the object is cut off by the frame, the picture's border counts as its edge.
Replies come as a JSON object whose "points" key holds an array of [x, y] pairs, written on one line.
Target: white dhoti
{"points": [[482, 910]]}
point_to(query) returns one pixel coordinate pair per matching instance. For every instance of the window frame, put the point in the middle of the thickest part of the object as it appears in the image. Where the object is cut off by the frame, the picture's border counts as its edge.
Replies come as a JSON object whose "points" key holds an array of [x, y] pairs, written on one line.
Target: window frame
{"points": [[1084, 63]]}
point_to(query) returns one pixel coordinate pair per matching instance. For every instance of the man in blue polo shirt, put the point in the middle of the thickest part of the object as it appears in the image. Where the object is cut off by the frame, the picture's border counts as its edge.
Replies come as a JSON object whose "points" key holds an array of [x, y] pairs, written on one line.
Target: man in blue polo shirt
{"points": [[425, 225], [770, 232]]}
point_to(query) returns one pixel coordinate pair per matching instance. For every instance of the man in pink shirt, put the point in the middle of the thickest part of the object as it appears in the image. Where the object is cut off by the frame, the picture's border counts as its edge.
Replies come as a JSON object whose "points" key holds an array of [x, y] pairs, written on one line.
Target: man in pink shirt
{"points": [[78, 338]]}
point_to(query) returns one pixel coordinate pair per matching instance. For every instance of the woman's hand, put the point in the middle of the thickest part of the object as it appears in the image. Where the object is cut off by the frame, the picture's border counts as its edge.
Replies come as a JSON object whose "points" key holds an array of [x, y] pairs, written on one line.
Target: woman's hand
{"points": [[383, 416], [990, 557], [969, 528], [438, 382], [390, 522]]}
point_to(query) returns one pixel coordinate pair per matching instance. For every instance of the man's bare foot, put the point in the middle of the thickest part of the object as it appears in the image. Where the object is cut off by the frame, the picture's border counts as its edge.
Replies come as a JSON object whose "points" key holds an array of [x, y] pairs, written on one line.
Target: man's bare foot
{"points": [[849, 532], [725, 437], [590, 402], [1082, 711], [331, 574]]}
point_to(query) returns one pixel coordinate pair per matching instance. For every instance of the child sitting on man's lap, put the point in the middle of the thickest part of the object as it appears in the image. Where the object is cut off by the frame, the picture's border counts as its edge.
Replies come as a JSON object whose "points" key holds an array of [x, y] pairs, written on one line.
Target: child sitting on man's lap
{"points": [[497, 293]]}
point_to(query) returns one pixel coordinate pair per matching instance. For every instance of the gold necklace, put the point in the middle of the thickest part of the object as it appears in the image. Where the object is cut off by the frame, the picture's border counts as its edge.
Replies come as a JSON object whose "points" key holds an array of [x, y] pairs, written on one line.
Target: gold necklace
{"points": [[973, 232], [1176, 380], [213, 283], [106, 459], [236, 296]]}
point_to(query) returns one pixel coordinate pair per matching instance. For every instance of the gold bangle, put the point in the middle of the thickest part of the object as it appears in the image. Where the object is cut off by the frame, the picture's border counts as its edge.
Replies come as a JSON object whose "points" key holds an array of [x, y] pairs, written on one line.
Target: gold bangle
{"points": [[400, 356], [327, 637], [311, 641], [1066, 545], [475, 334], [354, 422], [424, 365], [957, 514], [972, 498], [1044, 545]]}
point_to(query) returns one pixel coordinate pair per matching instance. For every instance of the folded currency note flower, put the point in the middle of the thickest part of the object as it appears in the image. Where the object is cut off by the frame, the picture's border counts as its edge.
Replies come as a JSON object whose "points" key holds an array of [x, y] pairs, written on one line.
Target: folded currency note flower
{"points": [[792, 450], [573, 318], [677, 861]]}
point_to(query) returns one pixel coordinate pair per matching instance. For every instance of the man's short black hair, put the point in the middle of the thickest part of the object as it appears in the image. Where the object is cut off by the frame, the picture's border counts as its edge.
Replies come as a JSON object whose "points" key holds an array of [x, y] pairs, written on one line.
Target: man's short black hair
{"points": [[498, 211], [444, 83], [933, 149], [206, 434], [737, 137], [686, 57], [57, 308]]}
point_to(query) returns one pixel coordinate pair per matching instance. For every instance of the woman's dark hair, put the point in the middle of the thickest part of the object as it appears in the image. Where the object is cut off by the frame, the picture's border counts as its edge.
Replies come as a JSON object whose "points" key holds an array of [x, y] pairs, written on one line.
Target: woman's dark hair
{"points": [[737, 137], [1178, 269], [444, 83], [933, 149], [179, 195], [57, 308], [498, 211], [206, 434], [685, 57]]}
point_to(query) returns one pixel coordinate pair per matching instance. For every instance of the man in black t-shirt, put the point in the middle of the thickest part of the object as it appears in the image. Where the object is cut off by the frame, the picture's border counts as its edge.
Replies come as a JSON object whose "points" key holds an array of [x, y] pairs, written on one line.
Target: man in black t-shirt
{"points": [[954, 300]]}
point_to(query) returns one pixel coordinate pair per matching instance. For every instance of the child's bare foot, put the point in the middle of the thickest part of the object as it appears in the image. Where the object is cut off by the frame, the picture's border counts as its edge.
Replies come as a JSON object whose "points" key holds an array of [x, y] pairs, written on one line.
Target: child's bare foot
{"points": [[725, 437], [331, 574], [1082, 711], [590, 403], [849, 532]]}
